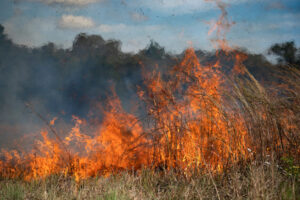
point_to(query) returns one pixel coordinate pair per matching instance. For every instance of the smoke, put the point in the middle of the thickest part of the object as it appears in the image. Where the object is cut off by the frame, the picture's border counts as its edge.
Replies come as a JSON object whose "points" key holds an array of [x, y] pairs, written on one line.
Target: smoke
{"points": [[65, 82], [221, 27]]}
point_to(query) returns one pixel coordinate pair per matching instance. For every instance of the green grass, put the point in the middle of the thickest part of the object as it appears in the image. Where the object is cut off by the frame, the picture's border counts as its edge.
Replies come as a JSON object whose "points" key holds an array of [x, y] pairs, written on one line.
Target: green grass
{"points": [[12, 190], [252, 182]]}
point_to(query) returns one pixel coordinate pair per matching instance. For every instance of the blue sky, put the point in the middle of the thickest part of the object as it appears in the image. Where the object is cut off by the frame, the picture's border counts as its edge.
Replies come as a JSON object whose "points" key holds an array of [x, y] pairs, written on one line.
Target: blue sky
{"points": [[175, 24]]}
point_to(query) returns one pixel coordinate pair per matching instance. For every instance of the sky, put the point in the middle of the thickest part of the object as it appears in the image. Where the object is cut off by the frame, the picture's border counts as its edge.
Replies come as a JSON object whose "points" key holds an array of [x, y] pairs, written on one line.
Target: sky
{"points": [[174, 24]]}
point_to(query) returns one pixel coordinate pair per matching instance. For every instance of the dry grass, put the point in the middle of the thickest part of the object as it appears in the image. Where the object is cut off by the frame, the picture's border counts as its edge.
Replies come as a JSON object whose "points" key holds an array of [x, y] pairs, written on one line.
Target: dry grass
{"points": [[255, 181], [272, 171]]}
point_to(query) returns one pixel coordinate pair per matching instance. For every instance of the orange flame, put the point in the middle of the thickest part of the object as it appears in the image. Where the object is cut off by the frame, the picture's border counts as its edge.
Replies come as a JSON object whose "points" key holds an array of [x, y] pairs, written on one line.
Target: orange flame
{"points": [[192, 126], [189, 119]]}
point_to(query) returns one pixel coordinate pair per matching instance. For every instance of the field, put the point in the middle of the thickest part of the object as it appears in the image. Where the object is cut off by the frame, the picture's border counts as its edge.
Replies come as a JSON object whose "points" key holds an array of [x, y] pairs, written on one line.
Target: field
{"points": [[209, 139], [200, 125], [256, 181]]}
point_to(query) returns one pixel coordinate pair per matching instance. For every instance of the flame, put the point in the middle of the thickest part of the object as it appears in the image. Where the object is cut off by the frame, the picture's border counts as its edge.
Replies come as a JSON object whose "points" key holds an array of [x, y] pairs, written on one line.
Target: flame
{"points": [[118, 144], [189, 130], [192, 126], [190, 122]]}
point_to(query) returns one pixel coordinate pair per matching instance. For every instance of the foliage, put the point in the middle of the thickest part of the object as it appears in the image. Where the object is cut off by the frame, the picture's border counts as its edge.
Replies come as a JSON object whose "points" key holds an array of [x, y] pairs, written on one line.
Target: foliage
{"points": [[12, 191], [257, 181], [286, 52], [291, 167]]}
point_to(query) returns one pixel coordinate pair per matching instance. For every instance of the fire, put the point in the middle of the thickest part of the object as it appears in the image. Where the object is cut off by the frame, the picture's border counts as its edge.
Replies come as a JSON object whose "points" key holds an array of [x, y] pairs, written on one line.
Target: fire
{"points": [[189, 130], [118, 144], [193, 125]]}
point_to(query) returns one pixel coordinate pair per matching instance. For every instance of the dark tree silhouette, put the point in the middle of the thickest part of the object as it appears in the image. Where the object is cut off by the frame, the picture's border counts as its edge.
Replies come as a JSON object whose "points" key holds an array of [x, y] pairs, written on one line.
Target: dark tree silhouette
{"points": [[287, 53]]}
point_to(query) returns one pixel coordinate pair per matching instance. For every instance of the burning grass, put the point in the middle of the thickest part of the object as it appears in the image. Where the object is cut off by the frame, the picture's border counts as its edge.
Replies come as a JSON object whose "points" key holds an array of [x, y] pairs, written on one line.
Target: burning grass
{"points": [[207, 133], [198, 119]]}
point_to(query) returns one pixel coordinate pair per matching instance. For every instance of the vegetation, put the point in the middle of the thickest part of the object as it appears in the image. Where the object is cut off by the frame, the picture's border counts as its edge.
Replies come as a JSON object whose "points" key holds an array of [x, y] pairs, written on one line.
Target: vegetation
{"points": [[287, 53], [224, 127], [255, 181]]}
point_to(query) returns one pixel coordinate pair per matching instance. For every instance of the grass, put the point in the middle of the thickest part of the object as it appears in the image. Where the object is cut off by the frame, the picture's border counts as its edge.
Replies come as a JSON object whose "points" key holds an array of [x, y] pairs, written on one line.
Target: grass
{"points": [[12, 190], [255, 181], [271, 171]]}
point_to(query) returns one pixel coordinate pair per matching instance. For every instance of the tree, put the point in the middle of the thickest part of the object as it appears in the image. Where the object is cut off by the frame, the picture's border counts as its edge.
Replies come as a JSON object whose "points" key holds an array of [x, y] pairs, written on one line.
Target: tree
{"points": [[287, 53]]}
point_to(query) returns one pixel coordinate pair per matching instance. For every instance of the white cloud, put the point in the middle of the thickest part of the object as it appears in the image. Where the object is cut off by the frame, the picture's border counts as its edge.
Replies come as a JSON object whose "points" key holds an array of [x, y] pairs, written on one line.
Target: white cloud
{"points": [[69, 2], [75, 22]]}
